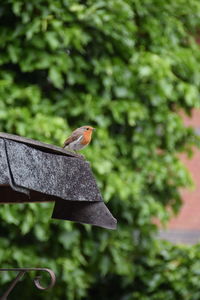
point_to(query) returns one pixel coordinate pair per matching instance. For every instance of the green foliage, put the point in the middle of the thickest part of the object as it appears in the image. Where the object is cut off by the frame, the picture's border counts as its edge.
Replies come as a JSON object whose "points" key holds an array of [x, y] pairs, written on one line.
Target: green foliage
{"points": [[127, 67]]}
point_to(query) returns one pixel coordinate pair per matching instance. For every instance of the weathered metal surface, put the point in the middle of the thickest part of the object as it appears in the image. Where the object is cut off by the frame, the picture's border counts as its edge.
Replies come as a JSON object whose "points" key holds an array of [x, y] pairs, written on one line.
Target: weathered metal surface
{"points": [[32, 171], [95, 213], [21, 273], [37, 144]]}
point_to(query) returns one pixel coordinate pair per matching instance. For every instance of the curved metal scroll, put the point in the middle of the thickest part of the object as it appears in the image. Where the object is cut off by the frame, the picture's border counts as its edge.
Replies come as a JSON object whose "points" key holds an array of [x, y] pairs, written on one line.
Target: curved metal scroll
{"points": [[21, 272]]}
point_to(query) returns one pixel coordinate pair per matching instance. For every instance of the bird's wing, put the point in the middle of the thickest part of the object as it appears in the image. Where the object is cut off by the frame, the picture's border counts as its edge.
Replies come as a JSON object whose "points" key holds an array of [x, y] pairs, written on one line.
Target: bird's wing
{"points": [[75, 136]]}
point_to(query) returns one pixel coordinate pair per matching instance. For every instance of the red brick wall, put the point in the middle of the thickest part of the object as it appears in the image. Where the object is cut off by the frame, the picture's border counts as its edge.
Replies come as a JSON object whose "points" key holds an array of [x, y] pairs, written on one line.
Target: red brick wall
{"points": [[189, 216]]}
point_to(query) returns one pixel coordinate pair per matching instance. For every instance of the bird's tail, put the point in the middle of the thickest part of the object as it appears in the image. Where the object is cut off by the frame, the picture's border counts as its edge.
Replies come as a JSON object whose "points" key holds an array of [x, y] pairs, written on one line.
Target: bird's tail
{"points": [[65, 146]]}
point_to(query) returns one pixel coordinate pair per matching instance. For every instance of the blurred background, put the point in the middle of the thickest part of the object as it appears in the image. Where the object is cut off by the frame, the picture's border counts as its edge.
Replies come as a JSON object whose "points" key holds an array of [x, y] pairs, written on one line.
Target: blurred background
{"points": [[130, 68]]}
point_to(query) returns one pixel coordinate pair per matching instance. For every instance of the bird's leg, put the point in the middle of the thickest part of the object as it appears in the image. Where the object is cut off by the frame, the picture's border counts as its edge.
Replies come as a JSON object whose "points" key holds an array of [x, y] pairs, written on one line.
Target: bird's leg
{"points": [[80, 155], [77, 154]]}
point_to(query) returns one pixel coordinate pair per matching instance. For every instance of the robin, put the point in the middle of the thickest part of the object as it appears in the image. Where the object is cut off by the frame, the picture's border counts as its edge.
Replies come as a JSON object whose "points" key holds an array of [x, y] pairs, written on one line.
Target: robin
{"points": [[79, 138]]}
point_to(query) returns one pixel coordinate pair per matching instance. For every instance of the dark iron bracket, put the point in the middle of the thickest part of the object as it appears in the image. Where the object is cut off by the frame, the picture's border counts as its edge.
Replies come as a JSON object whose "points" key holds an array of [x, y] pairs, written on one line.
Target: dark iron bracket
{"points": [[21, 272]]}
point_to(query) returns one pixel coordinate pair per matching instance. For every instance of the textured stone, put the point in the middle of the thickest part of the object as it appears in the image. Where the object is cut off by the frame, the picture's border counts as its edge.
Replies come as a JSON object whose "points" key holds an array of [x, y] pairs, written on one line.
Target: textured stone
{"points": [[31, 171]]}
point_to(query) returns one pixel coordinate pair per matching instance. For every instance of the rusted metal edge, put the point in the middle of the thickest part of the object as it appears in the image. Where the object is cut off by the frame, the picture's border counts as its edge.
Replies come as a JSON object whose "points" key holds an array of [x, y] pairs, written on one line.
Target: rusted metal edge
{"points": [[38, 145], [36, 280]]}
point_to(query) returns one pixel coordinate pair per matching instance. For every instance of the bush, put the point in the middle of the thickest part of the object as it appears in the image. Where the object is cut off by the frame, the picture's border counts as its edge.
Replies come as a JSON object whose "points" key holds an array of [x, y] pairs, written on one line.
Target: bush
{"points": [[128, 68]]}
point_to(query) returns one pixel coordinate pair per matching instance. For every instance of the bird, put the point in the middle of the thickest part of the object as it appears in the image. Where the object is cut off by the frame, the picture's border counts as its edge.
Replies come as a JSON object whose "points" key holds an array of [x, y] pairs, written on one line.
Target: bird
{"points": [[79, 139]]}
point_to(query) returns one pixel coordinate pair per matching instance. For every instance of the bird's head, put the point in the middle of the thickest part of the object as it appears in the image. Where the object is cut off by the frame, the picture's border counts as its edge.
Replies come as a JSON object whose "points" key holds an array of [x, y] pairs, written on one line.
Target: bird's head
{"points": [[87, 128]]}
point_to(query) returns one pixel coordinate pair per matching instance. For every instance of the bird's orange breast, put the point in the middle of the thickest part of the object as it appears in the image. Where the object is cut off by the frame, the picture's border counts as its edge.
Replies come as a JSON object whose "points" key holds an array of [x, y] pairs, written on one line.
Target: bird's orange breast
{"points": [[87, 135]]}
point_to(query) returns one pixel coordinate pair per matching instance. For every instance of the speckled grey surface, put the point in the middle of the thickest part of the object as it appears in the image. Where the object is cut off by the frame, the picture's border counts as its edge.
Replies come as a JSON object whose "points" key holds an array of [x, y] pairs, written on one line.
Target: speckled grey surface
{"points": [[33, 171], [37, 144], [97, 213]]}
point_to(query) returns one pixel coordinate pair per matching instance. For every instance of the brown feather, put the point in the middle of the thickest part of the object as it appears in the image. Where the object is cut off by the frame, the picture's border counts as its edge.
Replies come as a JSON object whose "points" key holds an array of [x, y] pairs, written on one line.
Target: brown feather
{"points": [[74, 136]]}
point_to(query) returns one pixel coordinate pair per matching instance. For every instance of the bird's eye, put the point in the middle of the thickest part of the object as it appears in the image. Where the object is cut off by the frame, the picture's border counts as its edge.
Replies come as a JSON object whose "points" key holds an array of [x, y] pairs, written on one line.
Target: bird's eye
{"points": [[87, 128]]}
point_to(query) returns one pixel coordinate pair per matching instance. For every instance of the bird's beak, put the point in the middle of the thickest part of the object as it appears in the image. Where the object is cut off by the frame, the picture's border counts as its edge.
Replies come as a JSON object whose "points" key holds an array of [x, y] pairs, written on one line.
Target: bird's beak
{"points": [[93, 128]]}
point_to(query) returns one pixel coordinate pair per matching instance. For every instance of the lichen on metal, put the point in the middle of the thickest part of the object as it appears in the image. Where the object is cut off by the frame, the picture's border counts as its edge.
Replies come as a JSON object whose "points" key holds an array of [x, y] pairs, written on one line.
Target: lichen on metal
{"points": [[32, 171]]}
